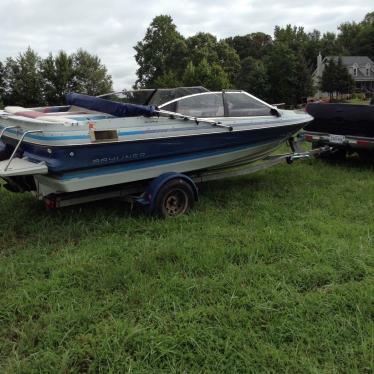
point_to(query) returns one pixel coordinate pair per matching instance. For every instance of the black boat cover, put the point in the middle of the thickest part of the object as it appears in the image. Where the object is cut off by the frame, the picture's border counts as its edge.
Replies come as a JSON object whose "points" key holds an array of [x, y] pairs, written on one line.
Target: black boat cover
{"points": [[342, 119], [109, 107]]}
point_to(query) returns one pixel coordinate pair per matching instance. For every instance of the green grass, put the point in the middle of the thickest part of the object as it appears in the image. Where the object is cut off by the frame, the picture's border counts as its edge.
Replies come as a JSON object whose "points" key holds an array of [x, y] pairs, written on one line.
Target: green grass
{"points": [[271, 272], [358, 101]]}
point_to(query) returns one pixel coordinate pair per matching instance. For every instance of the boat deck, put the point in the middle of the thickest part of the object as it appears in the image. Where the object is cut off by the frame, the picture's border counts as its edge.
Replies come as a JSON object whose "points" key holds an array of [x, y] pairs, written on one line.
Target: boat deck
{"points": [[63, 114]]}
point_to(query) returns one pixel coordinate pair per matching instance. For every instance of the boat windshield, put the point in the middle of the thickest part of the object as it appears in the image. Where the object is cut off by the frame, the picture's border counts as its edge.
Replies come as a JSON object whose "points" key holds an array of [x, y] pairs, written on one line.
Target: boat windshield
{"points": [[154, 97], [231, 103]]}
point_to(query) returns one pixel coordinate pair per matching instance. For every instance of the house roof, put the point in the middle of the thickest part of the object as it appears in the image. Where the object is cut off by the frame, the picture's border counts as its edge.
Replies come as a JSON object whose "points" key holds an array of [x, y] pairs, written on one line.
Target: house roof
{"points": [[351, 60]]}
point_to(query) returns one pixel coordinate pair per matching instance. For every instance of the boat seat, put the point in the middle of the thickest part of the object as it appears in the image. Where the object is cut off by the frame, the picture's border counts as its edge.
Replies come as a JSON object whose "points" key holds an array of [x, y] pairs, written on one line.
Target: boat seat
{"points": [[15, 109], [29, 113], [69, 117]]}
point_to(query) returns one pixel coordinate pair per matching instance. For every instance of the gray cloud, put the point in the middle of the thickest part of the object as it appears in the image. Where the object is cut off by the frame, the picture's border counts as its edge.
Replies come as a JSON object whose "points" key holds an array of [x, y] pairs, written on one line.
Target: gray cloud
{"points": [[111, 28]]}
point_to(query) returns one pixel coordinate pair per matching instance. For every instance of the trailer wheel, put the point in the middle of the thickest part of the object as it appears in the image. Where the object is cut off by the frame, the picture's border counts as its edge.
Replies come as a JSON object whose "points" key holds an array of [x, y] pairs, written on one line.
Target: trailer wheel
{"points": [[315, 145], [176, 197], [366, 155], [338, 154]]}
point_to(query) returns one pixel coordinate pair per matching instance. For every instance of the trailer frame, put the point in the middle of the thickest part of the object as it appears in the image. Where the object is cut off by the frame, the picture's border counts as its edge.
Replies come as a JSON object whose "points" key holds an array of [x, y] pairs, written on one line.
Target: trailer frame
{"points": [[349, 142]]}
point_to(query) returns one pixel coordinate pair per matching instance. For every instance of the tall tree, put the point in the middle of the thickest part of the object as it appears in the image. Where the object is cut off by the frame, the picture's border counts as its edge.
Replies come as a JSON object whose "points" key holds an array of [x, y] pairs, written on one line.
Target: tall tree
{"points": [[251, 45], [58, 77], [365, 39], [344, 82], [210, 76], [168, 80], [305, 46], [229, 60], [328, 79], [202, 46], [293, 37], [348, 36], [163, 49], [330, 45], [327, 44], [205, 46], [253, 78], [358, 38], [28, 80], [369, 19], [288, 72], [23, 80], [189, 76], [336, 79], [308, 44], [312, 48], [90, 75]]}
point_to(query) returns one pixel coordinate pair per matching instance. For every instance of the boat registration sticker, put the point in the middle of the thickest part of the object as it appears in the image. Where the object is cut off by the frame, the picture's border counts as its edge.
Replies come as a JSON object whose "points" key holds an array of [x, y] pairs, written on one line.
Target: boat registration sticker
{"points": [[336, 139]]}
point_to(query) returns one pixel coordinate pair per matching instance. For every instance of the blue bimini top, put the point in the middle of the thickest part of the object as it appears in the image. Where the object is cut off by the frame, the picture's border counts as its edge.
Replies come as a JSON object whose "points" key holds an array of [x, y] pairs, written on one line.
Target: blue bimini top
{"points": [[109, 107]]}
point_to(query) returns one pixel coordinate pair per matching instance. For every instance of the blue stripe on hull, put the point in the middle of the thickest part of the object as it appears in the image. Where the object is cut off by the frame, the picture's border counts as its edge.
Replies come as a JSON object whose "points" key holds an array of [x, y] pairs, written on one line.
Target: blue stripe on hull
{"points": [[76, 137], [63, 159], [152, 163], [120, 133]]}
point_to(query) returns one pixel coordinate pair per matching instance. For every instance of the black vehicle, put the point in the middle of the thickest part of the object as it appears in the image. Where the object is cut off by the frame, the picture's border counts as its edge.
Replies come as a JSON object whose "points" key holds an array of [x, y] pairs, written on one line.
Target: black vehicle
{"points": [[348, 128]]}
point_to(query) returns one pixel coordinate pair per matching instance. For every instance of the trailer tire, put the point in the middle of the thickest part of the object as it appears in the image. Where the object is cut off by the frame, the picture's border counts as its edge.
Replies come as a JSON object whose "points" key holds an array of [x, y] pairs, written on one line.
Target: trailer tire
{"points": [[176, 197], [315, 145], [322, 155], [366, 155], [338, 154]]}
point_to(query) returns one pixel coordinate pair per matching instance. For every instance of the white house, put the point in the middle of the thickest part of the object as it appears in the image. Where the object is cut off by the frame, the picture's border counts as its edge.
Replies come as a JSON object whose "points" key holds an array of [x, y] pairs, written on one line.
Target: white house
{"points": [[361, 69]]}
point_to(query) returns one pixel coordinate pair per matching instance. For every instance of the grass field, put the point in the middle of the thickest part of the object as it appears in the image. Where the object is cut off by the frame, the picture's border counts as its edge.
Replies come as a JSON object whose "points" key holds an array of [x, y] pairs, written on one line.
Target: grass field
{"points": [[272, 272], [359, 101]]}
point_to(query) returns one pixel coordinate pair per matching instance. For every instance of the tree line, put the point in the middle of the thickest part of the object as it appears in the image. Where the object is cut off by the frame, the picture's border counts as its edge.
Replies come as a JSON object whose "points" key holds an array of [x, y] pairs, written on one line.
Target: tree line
{"points": [[277, 69], [29, 80]]}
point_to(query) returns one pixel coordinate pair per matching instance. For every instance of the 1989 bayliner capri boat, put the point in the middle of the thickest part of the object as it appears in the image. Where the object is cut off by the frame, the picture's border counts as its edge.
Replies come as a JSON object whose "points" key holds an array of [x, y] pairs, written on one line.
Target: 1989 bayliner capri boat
{"points": [[94, 142]]}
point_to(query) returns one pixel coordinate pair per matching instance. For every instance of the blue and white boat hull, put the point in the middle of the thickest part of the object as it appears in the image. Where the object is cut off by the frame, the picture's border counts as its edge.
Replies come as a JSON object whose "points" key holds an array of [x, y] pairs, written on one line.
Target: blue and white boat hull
{"points": [[143, 170]]}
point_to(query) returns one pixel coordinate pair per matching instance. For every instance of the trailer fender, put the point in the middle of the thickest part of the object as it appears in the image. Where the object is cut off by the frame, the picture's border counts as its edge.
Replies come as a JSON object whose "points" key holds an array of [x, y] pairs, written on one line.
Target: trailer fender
{"points": [[148, 198]]}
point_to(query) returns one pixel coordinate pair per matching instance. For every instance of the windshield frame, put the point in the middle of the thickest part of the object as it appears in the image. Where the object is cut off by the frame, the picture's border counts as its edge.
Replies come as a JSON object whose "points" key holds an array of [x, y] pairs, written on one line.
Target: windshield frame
{"points": [[154, 91], [271, 107]]}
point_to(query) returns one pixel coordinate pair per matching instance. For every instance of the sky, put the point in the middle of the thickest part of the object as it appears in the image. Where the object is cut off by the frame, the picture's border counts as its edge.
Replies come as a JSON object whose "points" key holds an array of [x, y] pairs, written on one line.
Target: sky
{"points": [[111, 28]]}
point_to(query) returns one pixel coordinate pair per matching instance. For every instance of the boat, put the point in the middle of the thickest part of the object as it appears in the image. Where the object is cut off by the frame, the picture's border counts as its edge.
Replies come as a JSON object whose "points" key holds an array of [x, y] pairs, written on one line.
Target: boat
{"points": [[342, 119], [129, 136], [348, 128]]}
